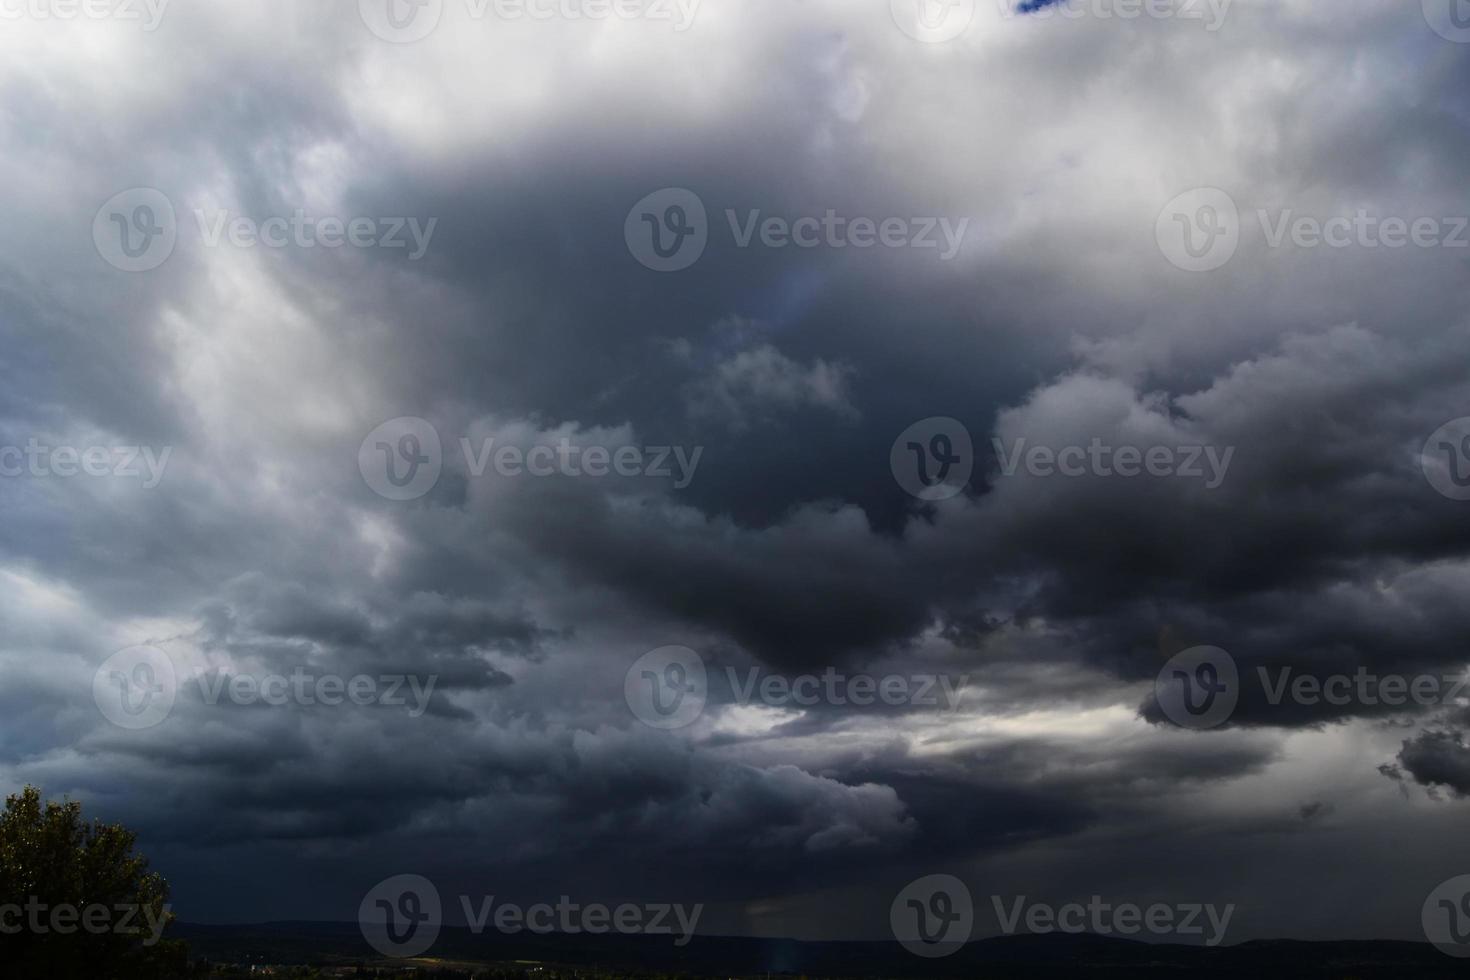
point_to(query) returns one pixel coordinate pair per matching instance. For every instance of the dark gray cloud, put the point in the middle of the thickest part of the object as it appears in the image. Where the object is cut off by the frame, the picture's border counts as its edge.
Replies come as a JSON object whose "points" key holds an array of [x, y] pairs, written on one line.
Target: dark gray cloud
{"points": [[791, 549]]}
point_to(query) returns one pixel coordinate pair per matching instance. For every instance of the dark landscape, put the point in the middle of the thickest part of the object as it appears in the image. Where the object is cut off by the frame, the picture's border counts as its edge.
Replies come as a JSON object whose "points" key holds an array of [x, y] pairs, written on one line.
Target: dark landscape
{"points": [[340, 946]]}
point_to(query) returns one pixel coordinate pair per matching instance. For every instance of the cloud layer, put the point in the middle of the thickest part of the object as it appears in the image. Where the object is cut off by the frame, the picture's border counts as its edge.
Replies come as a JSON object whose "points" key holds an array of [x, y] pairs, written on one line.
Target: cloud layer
{"points": [[791, 548]]}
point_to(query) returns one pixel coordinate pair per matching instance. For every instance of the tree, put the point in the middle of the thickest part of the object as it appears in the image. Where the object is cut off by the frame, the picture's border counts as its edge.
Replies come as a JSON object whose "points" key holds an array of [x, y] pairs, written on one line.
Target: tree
{"points": [[76, 901]]}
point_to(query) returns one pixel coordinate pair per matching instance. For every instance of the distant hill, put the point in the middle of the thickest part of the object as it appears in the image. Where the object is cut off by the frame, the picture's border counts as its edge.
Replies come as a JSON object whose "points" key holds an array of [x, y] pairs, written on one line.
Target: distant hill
{"points": [[1055, 955]]}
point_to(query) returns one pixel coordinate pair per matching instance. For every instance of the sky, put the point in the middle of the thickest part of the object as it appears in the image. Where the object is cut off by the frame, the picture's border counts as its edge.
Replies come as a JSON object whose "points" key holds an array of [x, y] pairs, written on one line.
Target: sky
{"points": [[832, 317]]}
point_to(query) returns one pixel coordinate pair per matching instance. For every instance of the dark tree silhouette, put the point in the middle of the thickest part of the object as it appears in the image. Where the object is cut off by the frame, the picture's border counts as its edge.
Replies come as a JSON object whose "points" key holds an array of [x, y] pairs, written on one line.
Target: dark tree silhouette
{"points": [[76, 902]]}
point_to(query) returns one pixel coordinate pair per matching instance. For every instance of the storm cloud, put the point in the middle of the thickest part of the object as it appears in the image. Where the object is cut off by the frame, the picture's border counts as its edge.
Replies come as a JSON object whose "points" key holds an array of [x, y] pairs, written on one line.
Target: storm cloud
{"points": [[1056, 139]]}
